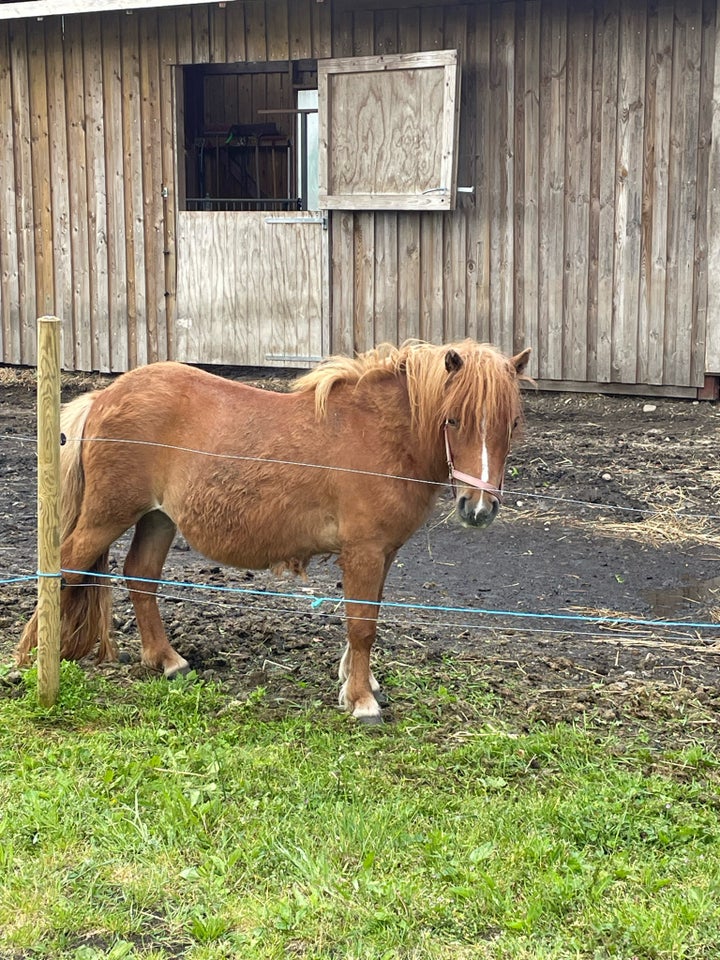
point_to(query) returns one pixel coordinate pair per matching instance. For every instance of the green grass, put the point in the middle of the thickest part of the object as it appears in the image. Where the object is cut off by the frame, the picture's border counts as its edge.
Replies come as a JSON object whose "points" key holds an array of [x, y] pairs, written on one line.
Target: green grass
{"points": [[159, 821]]}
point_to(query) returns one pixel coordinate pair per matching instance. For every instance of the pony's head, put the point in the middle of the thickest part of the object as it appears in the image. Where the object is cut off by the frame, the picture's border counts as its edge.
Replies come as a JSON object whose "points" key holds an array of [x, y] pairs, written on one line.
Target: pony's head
{"points": [[464, 406], [480, 410]]}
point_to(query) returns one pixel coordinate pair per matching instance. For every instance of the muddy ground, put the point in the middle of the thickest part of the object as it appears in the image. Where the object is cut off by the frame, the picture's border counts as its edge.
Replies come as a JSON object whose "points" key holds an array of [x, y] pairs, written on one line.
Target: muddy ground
{"points": [[612, 512]]}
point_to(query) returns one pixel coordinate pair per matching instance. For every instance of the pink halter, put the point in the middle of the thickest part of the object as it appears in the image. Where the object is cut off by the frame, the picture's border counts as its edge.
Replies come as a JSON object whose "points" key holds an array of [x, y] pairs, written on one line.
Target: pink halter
{"points": [[466, 478]]}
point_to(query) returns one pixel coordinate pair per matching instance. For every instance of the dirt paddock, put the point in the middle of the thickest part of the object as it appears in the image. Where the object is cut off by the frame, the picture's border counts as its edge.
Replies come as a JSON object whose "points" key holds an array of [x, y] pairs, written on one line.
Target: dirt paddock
{"points": [[612, 513]]}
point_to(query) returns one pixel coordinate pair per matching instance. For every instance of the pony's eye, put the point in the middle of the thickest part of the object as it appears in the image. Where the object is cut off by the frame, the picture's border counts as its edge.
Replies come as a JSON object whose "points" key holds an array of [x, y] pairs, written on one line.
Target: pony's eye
{"points": [[451, 422]]}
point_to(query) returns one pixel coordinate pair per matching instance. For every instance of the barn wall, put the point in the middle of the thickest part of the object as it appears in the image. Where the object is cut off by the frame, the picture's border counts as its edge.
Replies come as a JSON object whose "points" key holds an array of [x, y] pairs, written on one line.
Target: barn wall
{"points": [[587, 135], [85, 232]]}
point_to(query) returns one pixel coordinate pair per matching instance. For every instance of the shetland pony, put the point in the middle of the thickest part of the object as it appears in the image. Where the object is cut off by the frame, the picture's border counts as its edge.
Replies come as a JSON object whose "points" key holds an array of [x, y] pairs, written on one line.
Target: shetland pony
{"points": [[350, 462]]}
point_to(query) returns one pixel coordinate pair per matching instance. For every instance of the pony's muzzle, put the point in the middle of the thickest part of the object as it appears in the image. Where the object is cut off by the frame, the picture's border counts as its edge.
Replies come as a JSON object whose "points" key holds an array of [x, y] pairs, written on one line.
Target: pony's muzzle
{"points": [[477, 508]]}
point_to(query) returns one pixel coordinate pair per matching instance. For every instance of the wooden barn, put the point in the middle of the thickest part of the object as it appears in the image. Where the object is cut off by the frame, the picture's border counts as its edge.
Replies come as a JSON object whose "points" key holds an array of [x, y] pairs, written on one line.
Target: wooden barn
{"points": [[264, 182]]}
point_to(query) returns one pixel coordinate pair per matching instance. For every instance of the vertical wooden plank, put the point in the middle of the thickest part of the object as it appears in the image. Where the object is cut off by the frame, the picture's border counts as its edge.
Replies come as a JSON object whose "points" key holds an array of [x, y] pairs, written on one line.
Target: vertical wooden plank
{"points": [[501, 178], [519, 148], [455, 227], [96, 193], [321, 14], [40, 158], [184, 30], [701, 330], [608, 43], [9, 269], [115, 189], [431, 223], [363, 223], [342, 258], [651, 307], [235, 32], [152, 185], [255, 31], [200, 33], [483, 163], [23, 188], [342, 263], [408, 235], [594, 219], [385, 222], [217, 40], [683, 185], [342, 39], [528, 175], [628, 196], [342, 222], [577, 194], [278, 42], [300, 30], [553, 77], [77, 184], [133, 177], [712, 340], [59, 186], [169, 164]]}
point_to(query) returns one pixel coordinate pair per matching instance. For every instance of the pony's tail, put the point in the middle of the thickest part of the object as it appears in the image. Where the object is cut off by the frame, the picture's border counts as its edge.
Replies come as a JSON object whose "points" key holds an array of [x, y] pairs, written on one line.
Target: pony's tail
{"points": [[86, 608]]}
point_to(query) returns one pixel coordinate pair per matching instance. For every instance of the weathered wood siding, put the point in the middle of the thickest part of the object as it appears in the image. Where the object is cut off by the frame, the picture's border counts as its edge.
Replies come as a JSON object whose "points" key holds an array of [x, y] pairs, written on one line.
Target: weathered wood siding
{"points": [[586, 130]]}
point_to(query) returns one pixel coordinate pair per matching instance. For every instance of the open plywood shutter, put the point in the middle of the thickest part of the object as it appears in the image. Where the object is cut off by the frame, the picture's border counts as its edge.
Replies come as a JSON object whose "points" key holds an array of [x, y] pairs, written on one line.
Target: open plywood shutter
{"points": [[388, 131]]}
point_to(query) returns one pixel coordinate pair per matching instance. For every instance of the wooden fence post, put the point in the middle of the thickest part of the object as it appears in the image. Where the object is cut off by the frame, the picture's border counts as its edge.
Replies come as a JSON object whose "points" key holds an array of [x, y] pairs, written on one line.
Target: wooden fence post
{"points": [[48, 439]]}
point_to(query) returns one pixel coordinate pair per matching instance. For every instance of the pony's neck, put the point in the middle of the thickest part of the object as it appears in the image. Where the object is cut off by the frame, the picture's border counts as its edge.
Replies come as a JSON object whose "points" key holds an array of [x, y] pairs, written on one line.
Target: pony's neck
{"points": [[420, 451]]}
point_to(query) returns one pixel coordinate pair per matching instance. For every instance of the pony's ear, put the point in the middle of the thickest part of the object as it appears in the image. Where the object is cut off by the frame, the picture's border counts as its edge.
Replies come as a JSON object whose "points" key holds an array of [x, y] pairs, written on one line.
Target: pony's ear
{"points": [[520, 362], [453, 361]]}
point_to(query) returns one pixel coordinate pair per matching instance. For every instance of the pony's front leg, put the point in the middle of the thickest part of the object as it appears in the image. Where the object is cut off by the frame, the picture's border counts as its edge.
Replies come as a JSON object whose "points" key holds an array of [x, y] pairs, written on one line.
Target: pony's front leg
{"points": [[364, 572]]}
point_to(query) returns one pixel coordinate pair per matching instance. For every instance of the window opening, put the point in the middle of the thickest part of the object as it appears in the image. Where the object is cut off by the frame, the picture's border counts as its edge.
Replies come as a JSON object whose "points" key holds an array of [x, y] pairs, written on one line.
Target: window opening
{"points": [[250, 136]]}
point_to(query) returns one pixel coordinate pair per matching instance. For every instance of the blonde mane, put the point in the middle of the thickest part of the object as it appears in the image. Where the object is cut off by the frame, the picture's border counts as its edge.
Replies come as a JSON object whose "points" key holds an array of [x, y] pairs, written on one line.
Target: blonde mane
{"points": [[485, 386]]}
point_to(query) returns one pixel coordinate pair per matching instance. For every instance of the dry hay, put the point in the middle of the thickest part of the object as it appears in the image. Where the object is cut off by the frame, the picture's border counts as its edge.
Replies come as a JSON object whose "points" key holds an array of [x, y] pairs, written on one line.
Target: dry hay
{"points": [[27, 377], [667, 526]]}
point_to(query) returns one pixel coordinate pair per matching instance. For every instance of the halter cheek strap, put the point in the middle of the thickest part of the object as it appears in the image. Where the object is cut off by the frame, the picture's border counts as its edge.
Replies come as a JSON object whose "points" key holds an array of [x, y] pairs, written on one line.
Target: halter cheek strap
{"points": [[466, 478]]}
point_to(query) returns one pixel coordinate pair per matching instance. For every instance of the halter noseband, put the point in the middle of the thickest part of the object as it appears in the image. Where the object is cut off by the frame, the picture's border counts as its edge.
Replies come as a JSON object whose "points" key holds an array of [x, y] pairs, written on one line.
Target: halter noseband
{"points": [[466, 477]]}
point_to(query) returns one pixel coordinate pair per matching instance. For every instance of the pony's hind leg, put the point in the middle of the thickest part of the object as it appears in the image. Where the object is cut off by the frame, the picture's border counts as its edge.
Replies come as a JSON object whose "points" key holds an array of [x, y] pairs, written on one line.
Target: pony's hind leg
{"points": [[154, 533]]}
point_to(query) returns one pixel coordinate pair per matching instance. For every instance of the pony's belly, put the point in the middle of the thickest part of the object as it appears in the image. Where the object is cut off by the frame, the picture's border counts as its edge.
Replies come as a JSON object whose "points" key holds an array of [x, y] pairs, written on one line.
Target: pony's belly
{"points": [[258, 547]]}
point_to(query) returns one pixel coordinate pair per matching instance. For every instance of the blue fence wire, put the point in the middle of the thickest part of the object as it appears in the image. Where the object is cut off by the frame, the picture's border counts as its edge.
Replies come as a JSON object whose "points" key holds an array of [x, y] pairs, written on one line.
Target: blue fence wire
{"points": [[315, 602]]}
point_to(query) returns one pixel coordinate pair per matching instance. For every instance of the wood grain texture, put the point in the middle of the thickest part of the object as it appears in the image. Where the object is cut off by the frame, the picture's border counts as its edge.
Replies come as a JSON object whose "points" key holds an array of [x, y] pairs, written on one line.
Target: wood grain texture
{"points": [[653, 265], [553, 94], [59, 188], [577, 195], [48, 608], [95, 137], [23, 190], [133, 178], [628, 193], [604, 191], [10, 317], [527, 177], [501, 179], [392, 155], [269, 303], [589, 133]]}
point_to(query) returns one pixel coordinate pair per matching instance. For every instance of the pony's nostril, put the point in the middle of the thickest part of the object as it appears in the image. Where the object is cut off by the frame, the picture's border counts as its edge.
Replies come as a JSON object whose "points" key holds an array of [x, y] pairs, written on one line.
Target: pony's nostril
{"points": [[462, 504]]}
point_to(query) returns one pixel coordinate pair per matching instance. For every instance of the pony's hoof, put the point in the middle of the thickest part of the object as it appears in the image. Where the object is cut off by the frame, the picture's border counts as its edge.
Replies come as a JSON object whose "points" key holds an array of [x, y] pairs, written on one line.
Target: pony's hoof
{"points": [[175, 672], [373, 720]]}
